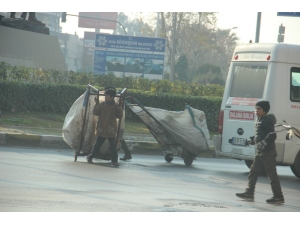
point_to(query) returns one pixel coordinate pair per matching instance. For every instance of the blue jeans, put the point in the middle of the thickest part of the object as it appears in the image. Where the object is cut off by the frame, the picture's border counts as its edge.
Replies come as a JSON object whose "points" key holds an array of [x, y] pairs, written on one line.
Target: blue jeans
{"points": [[112, 148]]}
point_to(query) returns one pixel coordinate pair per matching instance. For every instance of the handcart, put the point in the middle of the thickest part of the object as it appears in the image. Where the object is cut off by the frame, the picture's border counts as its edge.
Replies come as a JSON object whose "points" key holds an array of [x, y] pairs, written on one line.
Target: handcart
{"points": [[180, 134], [79, 129]]}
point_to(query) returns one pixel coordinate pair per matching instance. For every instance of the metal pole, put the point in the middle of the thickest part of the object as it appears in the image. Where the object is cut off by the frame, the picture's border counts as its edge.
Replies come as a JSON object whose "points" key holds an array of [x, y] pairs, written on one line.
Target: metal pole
{"points": [[258, 27], [156, 31], [173, 47]]}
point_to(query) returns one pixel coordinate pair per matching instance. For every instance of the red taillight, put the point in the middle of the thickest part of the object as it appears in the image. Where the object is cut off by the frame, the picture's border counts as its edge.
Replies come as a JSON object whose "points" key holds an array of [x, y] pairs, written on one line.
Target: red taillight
{"points": [[268, 57], [236, 57], [221, 119]]}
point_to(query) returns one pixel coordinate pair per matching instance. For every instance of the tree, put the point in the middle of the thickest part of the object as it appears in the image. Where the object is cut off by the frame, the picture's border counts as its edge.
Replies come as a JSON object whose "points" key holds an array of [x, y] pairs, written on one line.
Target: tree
{"points": [[191, 33], [226, 42], [185, 20], [135, 27], [181, 68], [208, 74], [197, 40]]}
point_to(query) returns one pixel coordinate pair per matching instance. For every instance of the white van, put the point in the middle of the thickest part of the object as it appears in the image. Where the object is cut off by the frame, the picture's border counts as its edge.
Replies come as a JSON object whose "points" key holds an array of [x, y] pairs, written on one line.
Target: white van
{"points": [[260, 72]]}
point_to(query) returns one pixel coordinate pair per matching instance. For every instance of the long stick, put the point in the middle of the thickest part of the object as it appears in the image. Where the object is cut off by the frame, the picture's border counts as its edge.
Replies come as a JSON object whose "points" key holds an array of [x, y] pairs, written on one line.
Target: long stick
{"points": [[122, 97]]}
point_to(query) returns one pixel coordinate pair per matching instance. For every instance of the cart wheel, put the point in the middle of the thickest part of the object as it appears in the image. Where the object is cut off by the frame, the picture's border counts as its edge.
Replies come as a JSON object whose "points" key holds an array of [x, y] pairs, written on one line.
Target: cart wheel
{"points": [[75, 156], [188, 161], [169, 157]]}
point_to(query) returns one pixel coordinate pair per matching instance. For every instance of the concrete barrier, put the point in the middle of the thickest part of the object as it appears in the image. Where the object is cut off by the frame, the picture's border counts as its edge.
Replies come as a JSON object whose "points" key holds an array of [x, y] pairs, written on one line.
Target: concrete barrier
{"points": [[136, 145], [22, 139], [2, 139]]}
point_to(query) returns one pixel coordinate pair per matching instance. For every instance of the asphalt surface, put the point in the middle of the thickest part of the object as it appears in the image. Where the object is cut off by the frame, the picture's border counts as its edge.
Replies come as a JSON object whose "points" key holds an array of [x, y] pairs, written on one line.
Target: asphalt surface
{"points": [[49, 180]]}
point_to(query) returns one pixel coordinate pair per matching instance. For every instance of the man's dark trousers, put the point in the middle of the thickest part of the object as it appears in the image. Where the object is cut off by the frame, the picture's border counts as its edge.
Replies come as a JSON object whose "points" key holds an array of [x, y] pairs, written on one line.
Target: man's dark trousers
{"points": [[267, 162], [112, 148]]}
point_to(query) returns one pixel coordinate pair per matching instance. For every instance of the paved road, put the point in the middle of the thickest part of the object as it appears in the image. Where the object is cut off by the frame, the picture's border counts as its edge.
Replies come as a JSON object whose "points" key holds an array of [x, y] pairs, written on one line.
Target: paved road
{"points": [[48, 180]]}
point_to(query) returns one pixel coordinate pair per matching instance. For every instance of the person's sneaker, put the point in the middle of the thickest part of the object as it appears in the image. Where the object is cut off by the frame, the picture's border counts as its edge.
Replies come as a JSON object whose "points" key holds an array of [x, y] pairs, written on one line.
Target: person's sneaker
{"points": [[88, 159], [114, 164], [246, 196], [276, 200], [125, 157]]}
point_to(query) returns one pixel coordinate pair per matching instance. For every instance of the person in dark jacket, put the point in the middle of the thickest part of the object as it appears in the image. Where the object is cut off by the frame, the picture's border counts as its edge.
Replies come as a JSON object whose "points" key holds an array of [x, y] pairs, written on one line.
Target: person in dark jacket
{"points": [[122, 141], [107, 111], [265, 158]]}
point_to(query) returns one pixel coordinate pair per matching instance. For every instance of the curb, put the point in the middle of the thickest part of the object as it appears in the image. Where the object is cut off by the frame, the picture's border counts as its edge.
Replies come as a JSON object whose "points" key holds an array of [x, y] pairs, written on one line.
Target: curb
{"points": [[57, 142], [32, 140]]}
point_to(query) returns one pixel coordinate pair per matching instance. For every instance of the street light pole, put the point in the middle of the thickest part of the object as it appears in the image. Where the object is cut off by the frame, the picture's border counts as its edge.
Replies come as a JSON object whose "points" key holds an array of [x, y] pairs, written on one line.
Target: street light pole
{"points": [[258, 27], [156, 30], [99, 19], [173, 47]]}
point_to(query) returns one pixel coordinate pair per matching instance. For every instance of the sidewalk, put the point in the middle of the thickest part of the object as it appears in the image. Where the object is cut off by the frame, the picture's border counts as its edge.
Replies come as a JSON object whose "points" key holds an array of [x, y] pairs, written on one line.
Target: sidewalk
{"points": [[137, 143]]}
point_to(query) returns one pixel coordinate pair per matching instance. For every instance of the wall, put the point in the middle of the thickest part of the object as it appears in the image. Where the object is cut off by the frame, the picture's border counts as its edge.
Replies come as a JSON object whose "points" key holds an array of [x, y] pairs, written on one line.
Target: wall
{"points": [[25, 48]]}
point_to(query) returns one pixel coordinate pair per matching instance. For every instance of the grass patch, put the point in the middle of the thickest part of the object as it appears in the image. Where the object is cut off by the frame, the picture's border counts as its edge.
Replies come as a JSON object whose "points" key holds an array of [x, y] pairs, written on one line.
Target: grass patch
{"points": [[136, 128], [52, 124], [49, 123], [31, 119]]}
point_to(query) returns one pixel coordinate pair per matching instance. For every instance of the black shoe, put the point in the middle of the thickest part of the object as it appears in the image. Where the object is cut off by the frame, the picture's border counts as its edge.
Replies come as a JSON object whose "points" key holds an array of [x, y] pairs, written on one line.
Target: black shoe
{"points": [[276, 200], [88, 159], [114, 164], [246, 196], [125, 157]]}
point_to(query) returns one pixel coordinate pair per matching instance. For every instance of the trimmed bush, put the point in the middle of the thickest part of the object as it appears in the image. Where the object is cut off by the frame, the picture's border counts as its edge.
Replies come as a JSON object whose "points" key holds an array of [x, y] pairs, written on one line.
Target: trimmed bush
{"points": [[59, 99]]}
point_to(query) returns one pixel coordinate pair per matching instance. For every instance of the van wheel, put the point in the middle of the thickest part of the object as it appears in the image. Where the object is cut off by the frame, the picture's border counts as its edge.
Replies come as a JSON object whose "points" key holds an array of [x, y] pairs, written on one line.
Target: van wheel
{"points": [[248, 163], [296, 166]]}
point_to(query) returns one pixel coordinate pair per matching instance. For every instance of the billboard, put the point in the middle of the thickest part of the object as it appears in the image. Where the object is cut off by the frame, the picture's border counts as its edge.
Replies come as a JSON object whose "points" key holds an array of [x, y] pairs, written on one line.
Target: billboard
{"points": [[295, 14], [103, 20], [133, 64], [88, 51], [130, 43]]}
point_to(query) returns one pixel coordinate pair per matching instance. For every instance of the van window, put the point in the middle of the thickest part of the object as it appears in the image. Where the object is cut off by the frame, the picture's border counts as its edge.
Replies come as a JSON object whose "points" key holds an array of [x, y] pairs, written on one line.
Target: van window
{"points": [[248, 81], [295, 84]]}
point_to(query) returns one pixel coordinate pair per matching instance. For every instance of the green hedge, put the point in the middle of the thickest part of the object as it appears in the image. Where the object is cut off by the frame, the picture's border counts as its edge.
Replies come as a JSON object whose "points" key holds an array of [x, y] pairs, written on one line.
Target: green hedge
{"points": [[59, 99], [38, 97], [38, 76]]}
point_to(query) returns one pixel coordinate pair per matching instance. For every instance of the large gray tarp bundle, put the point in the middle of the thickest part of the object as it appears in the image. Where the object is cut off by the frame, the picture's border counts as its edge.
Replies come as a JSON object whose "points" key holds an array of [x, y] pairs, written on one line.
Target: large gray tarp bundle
{"points": [[74, 121], [186, 128]]}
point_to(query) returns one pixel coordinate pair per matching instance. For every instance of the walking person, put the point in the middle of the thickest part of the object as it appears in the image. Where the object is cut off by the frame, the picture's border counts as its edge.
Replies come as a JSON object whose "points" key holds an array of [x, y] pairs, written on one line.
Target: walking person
{"points": [[124, 146], [107, 111], [126, 150], [265, 157]]}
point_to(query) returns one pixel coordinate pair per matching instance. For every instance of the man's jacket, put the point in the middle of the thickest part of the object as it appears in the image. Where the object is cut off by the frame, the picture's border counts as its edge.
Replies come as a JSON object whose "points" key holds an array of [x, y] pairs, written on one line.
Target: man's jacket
{"points": [[107, 114], [264, 125]]}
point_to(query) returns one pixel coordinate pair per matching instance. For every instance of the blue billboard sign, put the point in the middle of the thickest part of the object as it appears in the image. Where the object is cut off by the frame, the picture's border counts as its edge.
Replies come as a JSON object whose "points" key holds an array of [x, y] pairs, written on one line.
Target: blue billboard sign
{"points": [[116, 42], [295, 14], [121, 64]]}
